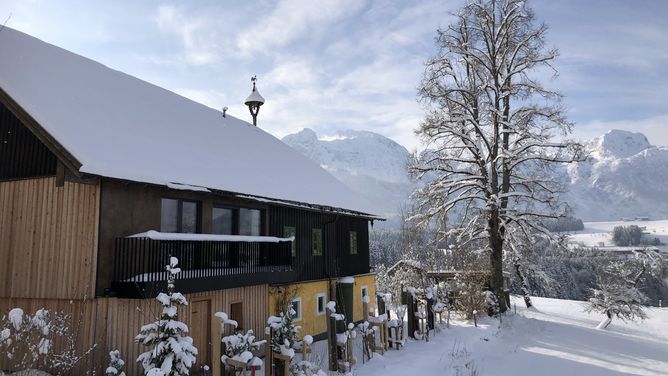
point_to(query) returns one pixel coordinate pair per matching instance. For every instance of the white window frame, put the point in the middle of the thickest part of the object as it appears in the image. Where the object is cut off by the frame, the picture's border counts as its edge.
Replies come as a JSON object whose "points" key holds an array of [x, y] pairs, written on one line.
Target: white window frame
{"points": [[324, 303], [298, 316], [364, 287]]}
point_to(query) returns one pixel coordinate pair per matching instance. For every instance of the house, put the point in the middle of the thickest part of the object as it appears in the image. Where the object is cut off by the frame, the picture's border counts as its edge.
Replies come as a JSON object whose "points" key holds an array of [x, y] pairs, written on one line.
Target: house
{"points": [[103, 176]]}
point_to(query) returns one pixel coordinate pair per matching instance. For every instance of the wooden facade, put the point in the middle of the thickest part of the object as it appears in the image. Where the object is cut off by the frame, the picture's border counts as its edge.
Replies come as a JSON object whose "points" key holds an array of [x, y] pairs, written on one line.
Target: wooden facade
{"points": [[48, 239], [100, 325], [59, 241]]}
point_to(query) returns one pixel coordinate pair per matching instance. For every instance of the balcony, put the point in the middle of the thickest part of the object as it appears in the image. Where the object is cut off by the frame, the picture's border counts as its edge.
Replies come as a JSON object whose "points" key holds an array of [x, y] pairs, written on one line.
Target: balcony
{"points": [[207, 262]]}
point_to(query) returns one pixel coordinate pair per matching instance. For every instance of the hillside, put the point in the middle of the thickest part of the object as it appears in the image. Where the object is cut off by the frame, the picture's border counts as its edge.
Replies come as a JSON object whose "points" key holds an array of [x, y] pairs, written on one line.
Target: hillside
{"points": [[624, 176]]}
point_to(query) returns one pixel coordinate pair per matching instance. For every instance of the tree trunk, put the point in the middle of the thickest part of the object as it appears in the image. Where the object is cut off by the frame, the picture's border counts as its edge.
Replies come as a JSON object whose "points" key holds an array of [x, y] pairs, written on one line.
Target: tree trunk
{"points": [[496, 264], [524, 286], [606, 321]]}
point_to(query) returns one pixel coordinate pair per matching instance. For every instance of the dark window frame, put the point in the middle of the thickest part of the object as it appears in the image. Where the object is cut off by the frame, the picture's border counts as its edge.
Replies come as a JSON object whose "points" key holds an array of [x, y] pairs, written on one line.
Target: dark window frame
{"points": [[313, 243], [179, 214], [353, 250], [236, 222]]}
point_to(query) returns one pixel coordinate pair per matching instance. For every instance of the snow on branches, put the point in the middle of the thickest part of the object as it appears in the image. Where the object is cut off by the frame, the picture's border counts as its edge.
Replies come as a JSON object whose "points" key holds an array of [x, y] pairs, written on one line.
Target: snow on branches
{"points": [[116, 364], [172, 352], [617, 293], [490, 127], [284, 332]]}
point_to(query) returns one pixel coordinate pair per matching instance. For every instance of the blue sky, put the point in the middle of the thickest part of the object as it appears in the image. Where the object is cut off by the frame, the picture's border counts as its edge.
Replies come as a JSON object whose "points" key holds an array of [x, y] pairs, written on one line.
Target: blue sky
{"points": [[355, 64]]}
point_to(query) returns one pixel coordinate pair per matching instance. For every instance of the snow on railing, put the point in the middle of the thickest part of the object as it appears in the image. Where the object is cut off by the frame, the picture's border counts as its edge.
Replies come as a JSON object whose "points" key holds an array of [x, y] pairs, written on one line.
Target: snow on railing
{"points": [[156, 235]]}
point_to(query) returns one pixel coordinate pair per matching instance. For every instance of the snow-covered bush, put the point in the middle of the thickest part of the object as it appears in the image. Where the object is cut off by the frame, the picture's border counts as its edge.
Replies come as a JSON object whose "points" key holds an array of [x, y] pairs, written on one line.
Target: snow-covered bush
{"points": [[492, 303], [240, 347], [116, 364], [468, 286], [27, 341], [306, 368], [284, 333], [172, 351]]}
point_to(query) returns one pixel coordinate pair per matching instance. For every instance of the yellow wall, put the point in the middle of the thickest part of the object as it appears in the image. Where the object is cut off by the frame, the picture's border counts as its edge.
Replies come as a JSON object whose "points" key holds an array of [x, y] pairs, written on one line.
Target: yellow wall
{"points": [[313, 323], [368, 280]]}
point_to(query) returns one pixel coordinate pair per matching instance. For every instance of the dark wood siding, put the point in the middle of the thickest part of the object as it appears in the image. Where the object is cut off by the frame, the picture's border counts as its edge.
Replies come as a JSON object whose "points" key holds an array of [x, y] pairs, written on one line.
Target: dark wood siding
{"points": [[22, 155], [130, 208], [336, 260]]}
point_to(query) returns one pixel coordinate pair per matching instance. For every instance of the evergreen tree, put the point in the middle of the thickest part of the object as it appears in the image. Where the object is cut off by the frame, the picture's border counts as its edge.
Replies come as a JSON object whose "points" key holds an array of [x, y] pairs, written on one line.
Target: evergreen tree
{"points": [[284, 332], [116, 364], [172, 351]]}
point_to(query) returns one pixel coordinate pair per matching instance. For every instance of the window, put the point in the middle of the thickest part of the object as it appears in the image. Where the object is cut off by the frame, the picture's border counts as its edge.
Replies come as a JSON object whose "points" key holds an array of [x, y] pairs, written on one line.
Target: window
{"points": [[236, 221], [237, 314], [223, 221], [179, 216], [297, 306], [320, 303], [249, 222], [353, 242], [365, 291], [316, 240], [289, 231]]}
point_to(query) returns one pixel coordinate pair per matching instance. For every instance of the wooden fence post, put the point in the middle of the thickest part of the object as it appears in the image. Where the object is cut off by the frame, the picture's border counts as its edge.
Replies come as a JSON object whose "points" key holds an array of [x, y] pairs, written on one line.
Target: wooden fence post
{"points": [[268, 353], [331, 339], [410, 305], [430, 314]]}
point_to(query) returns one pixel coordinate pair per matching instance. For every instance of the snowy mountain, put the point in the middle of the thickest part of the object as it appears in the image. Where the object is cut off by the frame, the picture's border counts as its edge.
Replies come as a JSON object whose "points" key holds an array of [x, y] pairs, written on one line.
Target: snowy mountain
{"points": [[372, 165], [624, 176]]}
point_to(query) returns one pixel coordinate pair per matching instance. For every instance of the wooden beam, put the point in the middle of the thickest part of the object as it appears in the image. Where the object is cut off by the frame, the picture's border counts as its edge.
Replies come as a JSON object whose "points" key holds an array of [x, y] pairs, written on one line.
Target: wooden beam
{"points": [[49, 141]]}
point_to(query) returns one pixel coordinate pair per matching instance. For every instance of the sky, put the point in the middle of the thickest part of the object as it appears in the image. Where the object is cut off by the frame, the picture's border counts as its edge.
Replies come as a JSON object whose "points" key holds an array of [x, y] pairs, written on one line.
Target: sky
{"points": [[356, 64]]}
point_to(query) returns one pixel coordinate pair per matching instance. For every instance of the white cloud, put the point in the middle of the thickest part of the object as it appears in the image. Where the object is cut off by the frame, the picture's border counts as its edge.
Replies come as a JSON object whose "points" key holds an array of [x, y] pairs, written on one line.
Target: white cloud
{"points": [[291, 20], [197, 34]]}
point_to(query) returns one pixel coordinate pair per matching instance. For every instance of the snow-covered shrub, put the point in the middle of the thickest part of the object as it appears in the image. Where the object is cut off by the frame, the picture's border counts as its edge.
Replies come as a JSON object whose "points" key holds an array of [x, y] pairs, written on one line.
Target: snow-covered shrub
{"points": [[617, 294], [469, 297], [172, 351], [240, 347], [284, 333], [27, 341], [306, 368], [116, 364], [492, 303]]}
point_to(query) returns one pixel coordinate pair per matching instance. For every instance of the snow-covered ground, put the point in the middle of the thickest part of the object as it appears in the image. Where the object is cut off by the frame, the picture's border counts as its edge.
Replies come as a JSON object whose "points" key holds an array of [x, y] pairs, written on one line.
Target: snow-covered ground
{"points": [[599, 234], [557, 338]]}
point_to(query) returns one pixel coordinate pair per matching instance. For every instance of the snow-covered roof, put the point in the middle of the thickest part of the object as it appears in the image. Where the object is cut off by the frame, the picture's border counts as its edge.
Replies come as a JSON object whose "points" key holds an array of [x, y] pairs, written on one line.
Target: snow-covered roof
{"points": [[121, 127]]}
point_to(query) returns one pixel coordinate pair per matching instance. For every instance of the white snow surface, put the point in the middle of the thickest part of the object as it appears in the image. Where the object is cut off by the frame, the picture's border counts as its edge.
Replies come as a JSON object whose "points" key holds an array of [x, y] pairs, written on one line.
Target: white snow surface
{"points": [[555, 339], [156, 235], [599, 234], [119, 126]]}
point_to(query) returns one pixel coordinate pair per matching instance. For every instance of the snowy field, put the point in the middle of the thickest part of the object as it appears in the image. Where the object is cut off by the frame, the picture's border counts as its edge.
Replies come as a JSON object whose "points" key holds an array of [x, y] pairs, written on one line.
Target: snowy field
{"points": [[596, 234], [558, 339]]}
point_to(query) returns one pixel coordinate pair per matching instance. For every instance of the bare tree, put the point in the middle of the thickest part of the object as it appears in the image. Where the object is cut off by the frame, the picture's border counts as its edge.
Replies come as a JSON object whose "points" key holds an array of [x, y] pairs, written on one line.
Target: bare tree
{"points": [[493, 133]]}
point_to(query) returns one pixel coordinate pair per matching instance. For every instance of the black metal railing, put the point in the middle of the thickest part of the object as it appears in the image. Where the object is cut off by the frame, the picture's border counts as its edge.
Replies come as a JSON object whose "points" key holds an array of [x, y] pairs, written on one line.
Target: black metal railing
{"points": [[205, 265]]}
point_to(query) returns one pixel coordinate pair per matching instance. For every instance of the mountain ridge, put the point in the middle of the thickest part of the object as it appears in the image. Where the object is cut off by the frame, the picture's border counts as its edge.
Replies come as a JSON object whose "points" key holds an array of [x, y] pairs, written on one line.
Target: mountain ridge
{"points": [[624, 175]]}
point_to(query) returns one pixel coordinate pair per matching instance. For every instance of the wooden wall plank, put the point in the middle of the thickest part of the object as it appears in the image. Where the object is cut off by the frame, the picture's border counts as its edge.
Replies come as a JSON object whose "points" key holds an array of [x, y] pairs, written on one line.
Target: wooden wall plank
{"points": [[48, 237], [124, 317]]}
